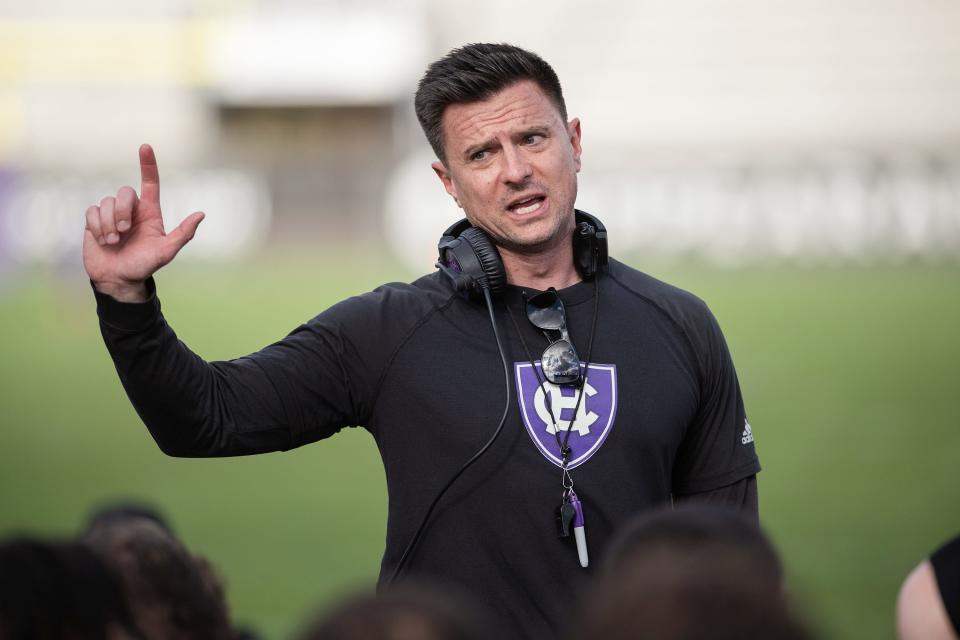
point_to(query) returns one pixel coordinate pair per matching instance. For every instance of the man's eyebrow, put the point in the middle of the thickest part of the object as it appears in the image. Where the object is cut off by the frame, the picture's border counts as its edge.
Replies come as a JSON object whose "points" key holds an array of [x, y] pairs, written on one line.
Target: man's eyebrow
{"points": [[540, 129], [479, 146], [543, 129], [536, 128]]}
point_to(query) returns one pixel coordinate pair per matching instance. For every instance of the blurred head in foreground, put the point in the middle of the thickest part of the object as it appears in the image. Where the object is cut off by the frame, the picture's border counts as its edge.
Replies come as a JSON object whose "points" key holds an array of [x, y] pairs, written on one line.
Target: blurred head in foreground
{"points": [[125, 511], [928, 606], [59, 590], [688, 574], [170, 592], [405, 612]]}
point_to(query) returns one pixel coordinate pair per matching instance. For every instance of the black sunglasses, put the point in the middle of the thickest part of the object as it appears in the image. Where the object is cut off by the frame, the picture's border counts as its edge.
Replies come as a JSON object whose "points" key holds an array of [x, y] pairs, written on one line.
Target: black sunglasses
{"points": [[559, 362]]}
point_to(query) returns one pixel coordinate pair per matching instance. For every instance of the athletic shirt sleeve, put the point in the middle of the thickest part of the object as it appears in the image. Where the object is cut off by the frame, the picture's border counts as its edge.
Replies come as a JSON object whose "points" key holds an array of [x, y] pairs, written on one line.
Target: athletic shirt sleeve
{"points": [[320, 378], [718, 448]]}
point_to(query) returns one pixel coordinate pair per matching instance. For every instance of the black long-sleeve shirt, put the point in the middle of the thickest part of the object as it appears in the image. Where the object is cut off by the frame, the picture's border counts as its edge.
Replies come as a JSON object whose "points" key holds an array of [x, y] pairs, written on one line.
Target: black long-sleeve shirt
{"points": [[416, 364]]}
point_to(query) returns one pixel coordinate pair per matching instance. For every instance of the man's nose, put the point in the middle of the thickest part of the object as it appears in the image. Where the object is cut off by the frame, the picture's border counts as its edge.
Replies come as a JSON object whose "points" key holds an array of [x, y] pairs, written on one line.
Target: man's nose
{"points": [[517, 168]]}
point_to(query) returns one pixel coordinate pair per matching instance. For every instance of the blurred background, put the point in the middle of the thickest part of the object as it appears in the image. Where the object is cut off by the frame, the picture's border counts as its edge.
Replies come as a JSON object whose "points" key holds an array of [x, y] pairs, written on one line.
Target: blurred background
{"points": [[794, 163]]}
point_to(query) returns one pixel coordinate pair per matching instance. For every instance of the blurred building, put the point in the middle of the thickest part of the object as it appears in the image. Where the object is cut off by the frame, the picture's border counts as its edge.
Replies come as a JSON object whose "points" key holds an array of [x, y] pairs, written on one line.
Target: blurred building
{"points": [[738, 132]]}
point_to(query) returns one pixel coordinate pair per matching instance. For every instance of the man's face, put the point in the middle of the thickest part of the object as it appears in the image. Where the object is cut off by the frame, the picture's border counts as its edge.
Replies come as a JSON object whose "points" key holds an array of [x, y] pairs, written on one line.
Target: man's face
{"points": [[512, 165]]}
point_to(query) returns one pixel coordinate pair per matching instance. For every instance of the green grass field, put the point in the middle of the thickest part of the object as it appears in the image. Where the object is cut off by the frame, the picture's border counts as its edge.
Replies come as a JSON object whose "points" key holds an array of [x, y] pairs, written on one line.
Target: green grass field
{"points": [[851, 378]]}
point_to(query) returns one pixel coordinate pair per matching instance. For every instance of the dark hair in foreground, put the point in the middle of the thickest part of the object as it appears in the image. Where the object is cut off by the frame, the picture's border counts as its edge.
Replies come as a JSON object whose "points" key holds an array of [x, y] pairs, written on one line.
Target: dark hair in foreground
{"points": [[124, 512], [171, 593], [694, 531], [473, 73], [55, 590], [690, 574], [404, 612]]}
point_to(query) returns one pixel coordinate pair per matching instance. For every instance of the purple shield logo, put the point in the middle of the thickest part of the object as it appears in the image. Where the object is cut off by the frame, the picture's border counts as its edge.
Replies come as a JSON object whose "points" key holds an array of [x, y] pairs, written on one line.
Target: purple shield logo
{"points": [[594, 417]]}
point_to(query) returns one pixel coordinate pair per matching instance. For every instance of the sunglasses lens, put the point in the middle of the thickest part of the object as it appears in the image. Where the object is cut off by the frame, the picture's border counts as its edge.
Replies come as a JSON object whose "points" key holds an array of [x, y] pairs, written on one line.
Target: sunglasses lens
{"points": [[560, 363], [545, 310]]}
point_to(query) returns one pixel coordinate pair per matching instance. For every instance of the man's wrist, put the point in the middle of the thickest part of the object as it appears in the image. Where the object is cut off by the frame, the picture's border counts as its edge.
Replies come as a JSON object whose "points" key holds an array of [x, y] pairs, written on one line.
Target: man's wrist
{"points": [[133, 292]]}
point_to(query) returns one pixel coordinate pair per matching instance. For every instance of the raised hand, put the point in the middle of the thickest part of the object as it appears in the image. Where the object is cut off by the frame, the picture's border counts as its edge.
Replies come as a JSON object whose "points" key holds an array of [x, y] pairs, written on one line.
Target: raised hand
{"points": [[124, 242]]}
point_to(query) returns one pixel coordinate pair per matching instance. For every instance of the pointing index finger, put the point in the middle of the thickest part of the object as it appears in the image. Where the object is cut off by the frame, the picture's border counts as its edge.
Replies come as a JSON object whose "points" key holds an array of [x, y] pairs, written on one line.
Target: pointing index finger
{"points": [[149, 175]]}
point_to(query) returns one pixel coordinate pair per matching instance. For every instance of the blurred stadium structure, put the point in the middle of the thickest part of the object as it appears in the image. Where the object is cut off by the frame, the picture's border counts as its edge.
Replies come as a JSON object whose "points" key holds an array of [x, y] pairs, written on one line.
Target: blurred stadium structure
{"points": [[737, 132]]}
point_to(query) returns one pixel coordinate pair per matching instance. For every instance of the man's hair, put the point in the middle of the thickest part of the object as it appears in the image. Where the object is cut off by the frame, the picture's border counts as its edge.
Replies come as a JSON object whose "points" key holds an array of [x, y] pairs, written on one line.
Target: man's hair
{"points": [[473, 73], [170, 592], [696, 573]]}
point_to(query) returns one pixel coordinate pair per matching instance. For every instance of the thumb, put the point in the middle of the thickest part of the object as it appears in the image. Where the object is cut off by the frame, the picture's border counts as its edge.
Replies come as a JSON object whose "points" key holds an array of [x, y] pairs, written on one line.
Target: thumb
{"points": [[176, 239]]}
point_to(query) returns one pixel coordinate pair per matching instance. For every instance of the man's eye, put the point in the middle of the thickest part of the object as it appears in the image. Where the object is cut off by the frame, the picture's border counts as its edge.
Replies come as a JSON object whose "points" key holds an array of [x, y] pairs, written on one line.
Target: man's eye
{"points": [[533, 138], [479, 155]]}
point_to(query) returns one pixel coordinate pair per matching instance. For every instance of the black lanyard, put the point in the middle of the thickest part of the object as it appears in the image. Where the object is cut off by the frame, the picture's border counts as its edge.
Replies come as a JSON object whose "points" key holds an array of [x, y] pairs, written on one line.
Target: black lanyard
{"points": [[541, 381]]}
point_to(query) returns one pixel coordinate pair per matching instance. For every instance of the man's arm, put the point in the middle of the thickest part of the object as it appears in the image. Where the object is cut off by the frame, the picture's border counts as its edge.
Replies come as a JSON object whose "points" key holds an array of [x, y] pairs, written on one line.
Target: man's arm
{"points": [[716, 461], [292, 392]]}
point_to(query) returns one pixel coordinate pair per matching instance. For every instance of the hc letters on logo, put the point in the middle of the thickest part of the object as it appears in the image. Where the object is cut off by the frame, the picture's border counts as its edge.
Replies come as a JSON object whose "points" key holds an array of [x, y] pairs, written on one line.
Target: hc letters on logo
{"points": [[591, 421]]}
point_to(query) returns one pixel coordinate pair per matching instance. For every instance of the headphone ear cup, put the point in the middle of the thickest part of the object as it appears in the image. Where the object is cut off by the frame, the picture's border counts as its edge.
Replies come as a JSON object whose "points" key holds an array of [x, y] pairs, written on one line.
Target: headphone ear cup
{"points": [[589, 245], [489, 258]]}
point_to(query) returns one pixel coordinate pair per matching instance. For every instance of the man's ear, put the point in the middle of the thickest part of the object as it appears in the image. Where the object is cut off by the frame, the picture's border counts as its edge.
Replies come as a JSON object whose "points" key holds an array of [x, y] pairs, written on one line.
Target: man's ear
{"points": [[447, 181], [573, 132]]}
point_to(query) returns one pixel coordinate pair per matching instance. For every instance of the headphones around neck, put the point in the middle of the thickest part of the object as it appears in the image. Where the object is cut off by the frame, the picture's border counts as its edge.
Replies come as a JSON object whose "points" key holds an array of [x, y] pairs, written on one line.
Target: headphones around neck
{"points": [[468, 257]]}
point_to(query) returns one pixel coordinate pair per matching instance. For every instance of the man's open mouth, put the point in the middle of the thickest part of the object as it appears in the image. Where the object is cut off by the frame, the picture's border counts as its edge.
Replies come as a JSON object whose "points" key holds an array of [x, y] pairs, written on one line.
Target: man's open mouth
{"points": [[528, 205]]}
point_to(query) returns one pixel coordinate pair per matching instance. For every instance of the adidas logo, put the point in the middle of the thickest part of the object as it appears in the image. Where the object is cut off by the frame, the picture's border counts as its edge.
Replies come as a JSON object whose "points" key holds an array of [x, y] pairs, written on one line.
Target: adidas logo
{"points": [[747, 433]]}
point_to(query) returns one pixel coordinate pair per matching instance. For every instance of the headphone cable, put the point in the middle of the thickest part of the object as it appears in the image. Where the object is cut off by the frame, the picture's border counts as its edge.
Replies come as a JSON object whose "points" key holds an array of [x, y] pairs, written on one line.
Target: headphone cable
{"points": [[466, 465]]}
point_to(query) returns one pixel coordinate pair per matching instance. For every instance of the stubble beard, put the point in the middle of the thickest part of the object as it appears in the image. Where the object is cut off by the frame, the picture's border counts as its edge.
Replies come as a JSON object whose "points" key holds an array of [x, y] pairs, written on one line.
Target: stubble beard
{"points": [[561, 229]]}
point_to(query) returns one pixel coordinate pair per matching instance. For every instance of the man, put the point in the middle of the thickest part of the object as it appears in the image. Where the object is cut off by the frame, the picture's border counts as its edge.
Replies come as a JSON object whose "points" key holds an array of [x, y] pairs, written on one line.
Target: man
{"points": [[651, 413]]}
